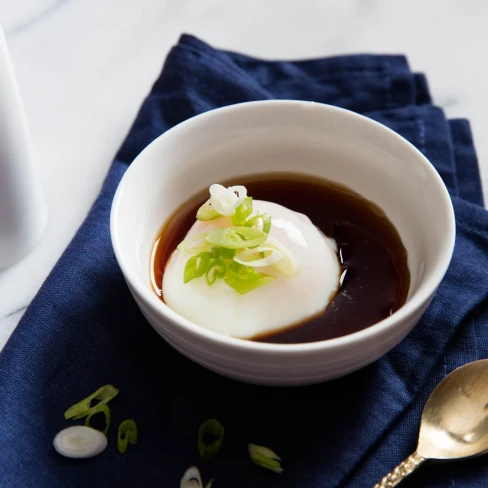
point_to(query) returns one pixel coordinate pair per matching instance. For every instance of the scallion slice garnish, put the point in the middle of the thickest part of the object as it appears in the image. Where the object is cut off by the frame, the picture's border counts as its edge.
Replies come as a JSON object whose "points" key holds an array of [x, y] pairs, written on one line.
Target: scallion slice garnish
{"points": [[208, 450], [265, 457], [215, 270], [260, 222], [227, 253], [191, 478], [196, 266], [207, 212], [258, 257], [79, 442], [85, 406], [232, 251], [194, 244], [237, 237], [222, 252], [126, 434], [288, 266], [226, 200], [244, 278], [100, 408], [242, 212]]}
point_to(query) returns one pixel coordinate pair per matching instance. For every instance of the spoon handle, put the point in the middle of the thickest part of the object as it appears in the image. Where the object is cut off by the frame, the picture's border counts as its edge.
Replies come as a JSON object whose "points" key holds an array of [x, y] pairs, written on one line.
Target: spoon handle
{"points": [[404, 469]]}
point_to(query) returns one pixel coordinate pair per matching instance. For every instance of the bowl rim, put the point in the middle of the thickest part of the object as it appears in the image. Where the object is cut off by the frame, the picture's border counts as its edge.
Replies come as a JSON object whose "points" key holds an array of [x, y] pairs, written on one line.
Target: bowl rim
{"points": [[409, 308]]}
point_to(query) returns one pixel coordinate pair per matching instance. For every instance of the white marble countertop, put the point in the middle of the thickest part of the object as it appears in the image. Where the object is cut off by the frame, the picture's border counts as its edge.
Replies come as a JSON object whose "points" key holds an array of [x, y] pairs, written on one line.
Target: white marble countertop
{"points": [[84, 67]]}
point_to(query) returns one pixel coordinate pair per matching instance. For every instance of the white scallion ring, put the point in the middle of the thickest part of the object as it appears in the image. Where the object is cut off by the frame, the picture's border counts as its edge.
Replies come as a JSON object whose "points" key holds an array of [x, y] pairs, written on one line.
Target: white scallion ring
{"points": [[80, 442], [191, 478], [251, 257], [288, 265], [226, 200]]}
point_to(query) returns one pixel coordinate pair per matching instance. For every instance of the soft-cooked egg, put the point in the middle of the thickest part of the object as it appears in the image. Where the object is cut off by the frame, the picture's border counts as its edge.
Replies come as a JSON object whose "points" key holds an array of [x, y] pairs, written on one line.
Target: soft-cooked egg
{"points": [[281, 303]]}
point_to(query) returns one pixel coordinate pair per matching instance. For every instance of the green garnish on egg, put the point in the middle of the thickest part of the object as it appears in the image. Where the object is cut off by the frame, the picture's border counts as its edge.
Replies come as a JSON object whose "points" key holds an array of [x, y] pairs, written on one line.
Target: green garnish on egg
{"points": [[236, 237], [216, 269], [234, 252], [260, 221], [197, 266], [207, 212], [242, 212], [245, 279]]}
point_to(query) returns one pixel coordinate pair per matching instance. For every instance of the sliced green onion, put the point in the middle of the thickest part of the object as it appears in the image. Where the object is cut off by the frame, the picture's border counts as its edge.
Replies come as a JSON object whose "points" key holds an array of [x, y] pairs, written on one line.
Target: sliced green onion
{"points": [[242, 212], [196, 266], [100, 408], [194, 244], [237, 237], [226, 200], [126, 434], [207, 212], [258, 257], [227, 253], [81, 409], [266, 458], [191, 478], [260, 222], [222, 252], [288, 266], [79, 442], [216, 269], [215, 428], [244, 278]]}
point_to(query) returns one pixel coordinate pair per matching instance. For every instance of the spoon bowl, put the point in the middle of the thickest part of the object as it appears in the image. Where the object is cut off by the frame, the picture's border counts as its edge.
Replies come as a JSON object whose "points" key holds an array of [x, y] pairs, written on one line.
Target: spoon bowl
{"points": [[455, 418], [454, 423]]}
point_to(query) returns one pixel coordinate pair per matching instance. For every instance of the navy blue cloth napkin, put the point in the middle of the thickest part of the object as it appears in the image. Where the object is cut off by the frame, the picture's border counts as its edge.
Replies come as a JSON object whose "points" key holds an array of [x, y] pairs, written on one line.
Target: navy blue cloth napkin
{"points": [[84, 330]]}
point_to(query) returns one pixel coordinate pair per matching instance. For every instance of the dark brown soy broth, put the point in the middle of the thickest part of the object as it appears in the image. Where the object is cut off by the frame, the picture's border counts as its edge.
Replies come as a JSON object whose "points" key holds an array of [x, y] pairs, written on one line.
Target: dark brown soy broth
{"points": [[375, 278]]}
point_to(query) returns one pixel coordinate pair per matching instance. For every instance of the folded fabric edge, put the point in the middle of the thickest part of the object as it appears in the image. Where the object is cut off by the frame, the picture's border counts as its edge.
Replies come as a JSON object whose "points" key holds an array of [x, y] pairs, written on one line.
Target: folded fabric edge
{"points": [[344, 62], [466, 162], [422, 91], [426, 127]]}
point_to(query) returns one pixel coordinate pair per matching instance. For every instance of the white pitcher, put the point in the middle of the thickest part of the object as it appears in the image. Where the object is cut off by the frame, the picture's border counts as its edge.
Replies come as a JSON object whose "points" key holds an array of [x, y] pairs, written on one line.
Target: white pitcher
{"points": [[23, 212]]}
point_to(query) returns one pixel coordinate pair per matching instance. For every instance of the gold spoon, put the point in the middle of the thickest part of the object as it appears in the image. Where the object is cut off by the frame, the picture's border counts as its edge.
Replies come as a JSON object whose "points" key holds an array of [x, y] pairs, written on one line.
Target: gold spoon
{"points": [[454, 423]]}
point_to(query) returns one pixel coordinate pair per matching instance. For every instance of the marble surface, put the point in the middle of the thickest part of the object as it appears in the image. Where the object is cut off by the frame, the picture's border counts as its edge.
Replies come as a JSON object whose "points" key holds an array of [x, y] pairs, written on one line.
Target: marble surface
{"points": [[84, 67]]}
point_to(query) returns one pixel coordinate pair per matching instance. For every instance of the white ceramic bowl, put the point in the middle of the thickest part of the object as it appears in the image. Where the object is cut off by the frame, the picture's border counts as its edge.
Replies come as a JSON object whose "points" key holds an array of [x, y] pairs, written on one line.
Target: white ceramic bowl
{"points": [[284, 136]]}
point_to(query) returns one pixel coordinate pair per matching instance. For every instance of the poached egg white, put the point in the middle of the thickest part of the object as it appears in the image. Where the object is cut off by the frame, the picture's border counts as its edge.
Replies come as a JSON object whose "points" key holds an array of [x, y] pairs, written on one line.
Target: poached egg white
{"points": [[272, 307]]}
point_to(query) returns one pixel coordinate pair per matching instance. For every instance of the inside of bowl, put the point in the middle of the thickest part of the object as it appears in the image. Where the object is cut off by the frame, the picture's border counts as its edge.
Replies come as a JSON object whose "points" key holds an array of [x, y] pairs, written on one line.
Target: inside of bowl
{"points": [[337, 146]]}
